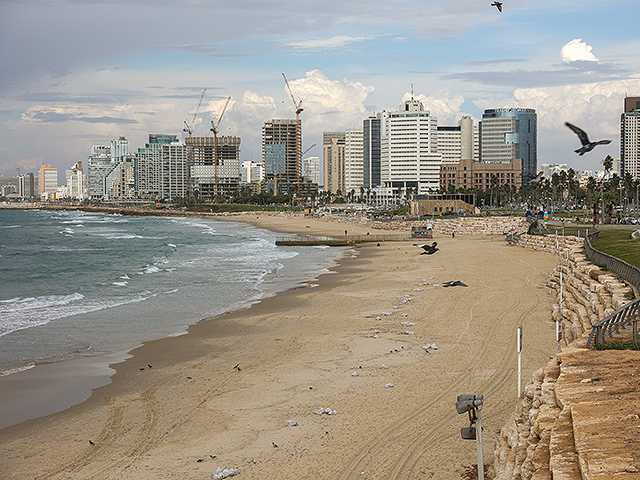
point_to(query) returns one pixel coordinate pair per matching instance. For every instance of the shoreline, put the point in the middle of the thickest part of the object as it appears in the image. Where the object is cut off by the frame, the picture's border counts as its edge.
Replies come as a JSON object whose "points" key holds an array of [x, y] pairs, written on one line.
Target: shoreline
{"points": [[47, 388], [298, 351]]}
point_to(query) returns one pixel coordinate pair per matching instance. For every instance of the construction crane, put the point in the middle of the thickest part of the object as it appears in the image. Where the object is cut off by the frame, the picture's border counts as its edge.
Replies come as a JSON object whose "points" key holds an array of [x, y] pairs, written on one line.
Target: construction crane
{"points": [[188, 126], [298, 109], [214, 129], [307, 150]]}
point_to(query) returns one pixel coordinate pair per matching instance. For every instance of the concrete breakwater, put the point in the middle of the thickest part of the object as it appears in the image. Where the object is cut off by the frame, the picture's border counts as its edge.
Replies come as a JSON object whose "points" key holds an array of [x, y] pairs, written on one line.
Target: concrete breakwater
{"points": [[577, 418]]}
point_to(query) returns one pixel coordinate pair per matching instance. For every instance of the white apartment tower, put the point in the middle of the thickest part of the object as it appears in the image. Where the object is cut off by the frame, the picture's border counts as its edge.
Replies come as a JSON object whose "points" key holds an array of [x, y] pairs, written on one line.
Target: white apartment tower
{"points": [[311, 169], [409, 149], [252, 172], [630, 138], [353, 160]]}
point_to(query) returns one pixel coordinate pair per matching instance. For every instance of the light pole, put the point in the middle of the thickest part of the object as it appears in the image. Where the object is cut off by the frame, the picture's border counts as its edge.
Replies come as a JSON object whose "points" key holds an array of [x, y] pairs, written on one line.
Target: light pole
{"points": [[472, 404]]}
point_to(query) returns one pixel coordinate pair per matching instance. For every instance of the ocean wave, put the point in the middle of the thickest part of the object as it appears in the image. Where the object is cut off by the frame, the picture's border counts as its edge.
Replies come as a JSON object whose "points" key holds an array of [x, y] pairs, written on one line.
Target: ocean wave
{"points": [[10, 226], [11, 371], [121, 284]]}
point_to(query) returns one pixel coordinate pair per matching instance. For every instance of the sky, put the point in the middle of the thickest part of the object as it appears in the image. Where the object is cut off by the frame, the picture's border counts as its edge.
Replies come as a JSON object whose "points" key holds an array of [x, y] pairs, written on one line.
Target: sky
{"points": [[76, 73]]}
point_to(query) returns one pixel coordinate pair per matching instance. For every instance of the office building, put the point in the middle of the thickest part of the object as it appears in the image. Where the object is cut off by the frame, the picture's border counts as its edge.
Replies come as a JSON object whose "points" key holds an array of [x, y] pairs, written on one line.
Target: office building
{"points": [[458, 142], [26, 186], [507, 134], [252, 172], [469, 174], [48, 180], [333, 162], [630, 138], [371, 148], [281, 152], [119, 149], [409, 149], [353, 161], [76, 182], [311, 169], [99, 165]]}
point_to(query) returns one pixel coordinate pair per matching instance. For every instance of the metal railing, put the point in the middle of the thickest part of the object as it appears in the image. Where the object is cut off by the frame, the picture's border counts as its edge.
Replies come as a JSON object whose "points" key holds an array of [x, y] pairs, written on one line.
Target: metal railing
{"points": [[620, 327], [343, 239]]}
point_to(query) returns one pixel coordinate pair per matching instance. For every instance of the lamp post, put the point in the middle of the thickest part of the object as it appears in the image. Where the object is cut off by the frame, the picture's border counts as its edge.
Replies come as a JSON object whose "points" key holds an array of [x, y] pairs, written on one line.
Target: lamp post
{"points": [[472, 405]]}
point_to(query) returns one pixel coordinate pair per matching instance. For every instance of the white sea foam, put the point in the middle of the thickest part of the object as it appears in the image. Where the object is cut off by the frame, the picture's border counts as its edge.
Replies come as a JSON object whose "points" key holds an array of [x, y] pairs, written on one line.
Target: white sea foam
{"points": [[121, 284], [11, 371], [10, 226]]}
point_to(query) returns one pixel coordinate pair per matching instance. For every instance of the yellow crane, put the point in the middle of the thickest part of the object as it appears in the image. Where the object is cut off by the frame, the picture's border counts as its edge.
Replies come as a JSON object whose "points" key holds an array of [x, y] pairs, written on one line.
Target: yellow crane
{"points": [[188, 126], [214, 129]]}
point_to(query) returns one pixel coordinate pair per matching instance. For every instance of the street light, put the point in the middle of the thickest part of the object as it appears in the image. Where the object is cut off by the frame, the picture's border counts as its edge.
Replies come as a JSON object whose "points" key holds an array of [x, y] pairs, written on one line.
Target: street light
{"points": [[472, 405]]}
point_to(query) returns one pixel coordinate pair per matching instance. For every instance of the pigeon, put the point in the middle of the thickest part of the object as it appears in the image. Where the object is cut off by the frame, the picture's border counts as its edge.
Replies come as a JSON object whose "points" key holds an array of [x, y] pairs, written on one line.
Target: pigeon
{"points": [[428, 249], [498, 5], [150, 366], [587, 146], [91, 443]]}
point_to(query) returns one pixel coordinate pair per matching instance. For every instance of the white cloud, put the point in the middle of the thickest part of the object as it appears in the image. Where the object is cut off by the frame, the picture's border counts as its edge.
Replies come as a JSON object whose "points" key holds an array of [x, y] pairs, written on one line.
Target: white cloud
{"points": [[443, 105], [326, 43], [577, 50]]}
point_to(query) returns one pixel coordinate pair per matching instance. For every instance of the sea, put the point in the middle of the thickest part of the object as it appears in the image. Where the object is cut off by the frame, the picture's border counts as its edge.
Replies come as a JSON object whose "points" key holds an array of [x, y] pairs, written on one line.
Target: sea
{"points": [[76, 284]]}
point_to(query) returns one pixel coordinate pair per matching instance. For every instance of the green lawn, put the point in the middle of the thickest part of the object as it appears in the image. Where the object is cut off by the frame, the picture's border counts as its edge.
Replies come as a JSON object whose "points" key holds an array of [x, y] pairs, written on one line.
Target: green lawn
{"points": [[619, 243]]}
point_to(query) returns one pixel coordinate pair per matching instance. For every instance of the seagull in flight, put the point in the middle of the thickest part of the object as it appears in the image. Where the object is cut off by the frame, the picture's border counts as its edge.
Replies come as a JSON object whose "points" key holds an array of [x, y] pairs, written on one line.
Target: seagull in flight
{"points": [[537, 179], [428, 249], [587, 146], [498, 5]]}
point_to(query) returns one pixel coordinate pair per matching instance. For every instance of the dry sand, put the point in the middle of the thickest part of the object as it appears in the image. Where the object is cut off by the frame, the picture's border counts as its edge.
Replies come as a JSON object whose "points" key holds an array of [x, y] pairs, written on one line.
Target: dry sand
{"points": [[296, 353]]}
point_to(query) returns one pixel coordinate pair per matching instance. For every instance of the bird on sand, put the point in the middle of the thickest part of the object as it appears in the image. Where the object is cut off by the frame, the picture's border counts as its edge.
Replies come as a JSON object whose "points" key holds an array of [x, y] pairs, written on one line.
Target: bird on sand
{"points": [[454, 283], [428, 249], [274, 444], [498, 5], [587, 146], [91, 443], [237, 367]]}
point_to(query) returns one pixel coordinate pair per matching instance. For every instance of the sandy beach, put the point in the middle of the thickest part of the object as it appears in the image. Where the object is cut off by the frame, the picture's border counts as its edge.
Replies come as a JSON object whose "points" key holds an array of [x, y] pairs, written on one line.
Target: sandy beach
{"points": [[317, 347]]}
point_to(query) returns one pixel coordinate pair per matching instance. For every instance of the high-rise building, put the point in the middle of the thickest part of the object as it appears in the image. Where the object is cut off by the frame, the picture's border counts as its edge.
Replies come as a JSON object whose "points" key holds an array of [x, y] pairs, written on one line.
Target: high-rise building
{"points": [[333, 161], [630, 138], [252, 172], [507, 134], [76, 182], [458, 142], [409, 149], [48, 179], [353, 161], [174, 181], [281, 151], [371, 144], [207, 177], [149, 160], [119, 149], [99, 165], [311, 169], [26, 186]]}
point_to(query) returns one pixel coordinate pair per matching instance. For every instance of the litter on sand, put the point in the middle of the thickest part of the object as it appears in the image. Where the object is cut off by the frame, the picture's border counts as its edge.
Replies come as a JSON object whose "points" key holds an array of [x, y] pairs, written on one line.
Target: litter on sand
{"points": [[430, 346], [407, 332], [389, 385], [404, 314], [383, 366], [224, 473], [328, 411], [407, 324], [378, 318], [355, 374], [418, 289], [387, 314], [372, 336], [454, 283], [292, 423]]}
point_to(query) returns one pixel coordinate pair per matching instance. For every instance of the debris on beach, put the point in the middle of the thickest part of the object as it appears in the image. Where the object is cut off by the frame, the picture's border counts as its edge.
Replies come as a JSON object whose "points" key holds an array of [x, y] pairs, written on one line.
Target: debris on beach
{"points": [[407, 332], [418, 289], [404, 314], [372, 336], [395, 306], [430, 346], [454, 283], [383, 366], [378, 318], [292, 423], [355, 374], [387, 314], [224, 473], [328, 411], [407, 324], [389, 385]]}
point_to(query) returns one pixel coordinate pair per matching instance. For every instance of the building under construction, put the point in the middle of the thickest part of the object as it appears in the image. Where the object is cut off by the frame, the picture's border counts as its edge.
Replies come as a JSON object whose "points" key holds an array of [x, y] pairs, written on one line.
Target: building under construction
{"points": [[212, 174], [281, 151]]}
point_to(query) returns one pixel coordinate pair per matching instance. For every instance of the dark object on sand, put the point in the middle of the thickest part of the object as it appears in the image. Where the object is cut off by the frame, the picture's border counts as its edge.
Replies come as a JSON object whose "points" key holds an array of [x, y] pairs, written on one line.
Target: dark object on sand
{"points": [[274, 444], [454, 283], [587, 146], [428, 249], [498, 5]]}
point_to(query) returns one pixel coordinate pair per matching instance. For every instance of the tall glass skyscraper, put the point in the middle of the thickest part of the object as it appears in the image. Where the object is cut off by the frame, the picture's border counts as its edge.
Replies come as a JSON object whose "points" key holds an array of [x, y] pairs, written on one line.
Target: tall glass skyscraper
{"points": [[509, 133], [371, 134]]}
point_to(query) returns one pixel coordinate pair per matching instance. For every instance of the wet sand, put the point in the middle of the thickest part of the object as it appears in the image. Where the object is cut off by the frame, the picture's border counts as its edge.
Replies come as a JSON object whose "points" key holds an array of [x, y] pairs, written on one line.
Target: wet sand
{"points": [[297, 352]]}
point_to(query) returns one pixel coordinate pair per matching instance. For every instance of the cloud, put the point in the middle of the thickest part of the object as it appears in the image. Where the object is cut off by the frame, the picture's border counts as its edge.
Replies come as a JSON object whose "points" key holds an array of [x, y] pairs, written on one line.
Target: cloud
{"points": [[577, 50], [337, 41], [52, 116], [444, 105]]}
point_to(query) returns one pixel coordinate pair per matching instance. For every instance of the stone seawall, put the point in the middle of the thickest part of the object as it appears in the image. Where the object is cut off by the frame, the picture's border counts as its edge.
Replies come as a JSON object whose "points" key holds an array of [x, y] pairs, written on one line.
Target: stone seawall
{"points": [[577, 418]]}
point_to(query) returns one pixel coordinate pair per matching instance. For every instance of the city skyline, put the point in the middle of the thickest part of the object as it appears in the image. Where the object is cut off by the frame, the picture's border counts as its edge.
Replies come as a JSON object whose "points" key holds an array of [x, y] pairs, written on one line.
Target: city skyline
{"points": [[63, 87]]}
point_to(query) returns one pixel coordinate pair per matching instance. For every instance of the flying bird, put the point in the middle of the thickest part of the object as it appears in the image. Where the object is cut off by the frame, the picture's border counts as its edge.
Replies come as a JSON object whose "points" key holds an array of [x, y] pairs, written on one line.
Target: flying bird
{"points": [[428, 249], [498, 5], [537, 179], [454, 283], [587, 146]]}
